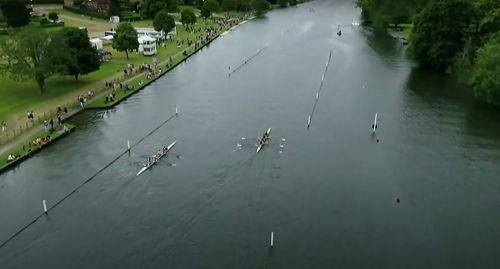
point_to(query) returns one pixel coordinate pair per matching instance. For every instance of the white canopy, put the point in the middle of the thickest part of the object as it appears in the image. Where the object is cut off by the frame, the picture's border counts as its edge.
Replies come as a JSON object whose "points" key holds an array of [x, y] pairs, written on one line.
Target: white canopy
{"points": [[96, 43], [145, 38]]}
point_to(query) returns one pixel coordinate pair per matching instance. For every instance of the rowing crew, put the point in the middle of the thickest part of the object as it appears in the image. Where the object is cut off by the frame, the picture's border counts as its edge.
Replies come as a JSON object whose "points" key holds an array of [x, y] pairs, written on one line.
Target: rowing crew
{"points": [[156, 157], [264, 139]]}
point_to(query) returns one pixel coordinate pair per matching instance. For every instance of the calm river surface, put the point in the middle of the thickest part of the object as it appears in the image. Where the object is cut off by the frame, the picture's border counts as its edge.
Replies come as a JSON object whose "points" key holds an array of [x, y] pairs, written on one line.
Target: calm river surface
{"points": [[329, 197]]}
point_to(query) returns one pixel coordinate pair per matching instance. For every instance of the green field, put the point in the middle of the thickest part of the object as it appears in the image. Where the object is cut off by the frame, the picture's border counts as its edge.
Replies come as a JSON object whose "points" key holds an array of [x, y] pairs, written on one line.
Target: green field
{"points": [[16, 98]]}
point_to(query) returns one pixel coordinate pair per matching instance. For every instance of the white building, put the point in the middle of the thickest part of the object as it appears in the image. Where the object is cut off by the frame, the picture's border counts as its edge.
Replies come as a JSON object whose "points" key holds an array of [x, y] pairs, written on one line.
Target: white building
{"points": [[96, 43], [147, 45], [158, 35]]}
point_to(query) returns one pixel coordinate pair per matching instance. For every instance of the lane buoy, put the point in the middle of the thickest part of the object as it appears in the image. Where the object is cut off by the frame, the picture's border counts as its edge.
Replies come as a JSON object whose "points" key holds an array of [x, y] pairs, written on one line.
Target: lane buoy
{"points": [[44, 206]]}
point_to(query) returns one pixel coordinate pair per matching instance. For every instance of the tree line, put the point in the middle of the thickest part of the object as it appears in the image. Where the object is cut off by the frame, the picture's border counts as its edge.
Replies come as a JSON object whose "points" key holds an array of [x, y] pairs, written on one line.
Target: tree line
{"points": [[456, 37]]}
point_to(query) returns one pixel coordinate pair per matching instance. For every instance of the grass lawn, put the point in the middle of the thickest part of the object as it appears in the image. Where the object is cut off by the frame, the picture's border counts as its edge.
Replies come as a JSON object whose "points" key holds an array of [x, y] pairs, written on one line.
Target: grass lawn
{"points": [[16, 98], [95, 26], [27, 147]]}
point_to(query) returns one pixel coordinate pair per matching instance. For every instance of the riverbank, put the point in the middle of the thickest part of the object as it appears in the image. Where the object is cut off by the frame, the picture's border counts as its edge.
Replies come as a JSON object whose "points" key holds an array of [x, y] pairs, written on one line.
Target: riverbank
{"points": [[142, 81], [138, 82], [61, 91], [33, 145]]}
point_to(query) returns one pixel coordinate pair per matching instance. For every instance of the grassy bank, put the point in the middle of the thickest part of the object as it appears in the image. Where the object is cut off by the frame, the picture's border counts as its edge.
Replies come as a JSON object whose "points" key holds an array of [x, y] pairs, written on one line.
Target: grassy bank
{"points": [[28, 148], [16, 98], [141, 81]]}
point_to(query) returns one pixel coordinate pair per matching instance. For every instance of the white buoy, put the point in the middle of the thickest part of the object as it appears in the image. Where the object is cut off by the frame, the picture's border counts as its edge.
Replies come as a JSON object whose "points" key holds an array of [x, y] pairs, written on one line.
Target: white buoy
{"points": [[317, 95], [374, 126], [323, 77], [272, 239], [176, 111], [309, 121], [128, 145], [44, 206]]}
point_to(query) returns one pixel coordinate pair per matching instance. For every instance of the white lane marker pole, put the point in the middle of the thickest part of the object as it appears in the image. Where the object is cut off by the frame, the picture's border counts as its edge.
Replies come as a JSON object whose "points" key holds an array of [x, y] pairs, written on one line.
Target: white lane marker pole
{"points": [[317, 95], [128, 145], [44, 206], [309, 121], [375, 123], [176, 111], [272, 239]]}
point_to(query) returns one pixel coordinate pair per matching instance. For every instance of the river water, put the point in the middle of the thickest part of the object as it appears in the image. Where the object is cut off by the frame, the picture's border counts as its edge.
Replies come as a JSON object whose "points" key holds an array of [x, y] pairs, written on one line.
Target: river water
{"points": [[329, 195]]}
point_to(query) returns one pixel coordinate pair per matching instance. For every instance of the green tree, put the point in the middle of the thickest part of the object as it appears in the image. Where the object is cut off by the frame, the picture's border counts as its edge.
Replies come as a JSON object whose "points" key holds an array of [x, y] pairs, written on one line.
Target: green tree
{"points": [[33, 54], [383, 12], [53, 16], [115, 8], [163, 22], [15, 12], [148, 8], [260, 6], [190, 2], [205, 12], [125, 38], [486, 74], [438, 32], [188, 17], [172, 5], [490, 19], [84, 58], [212, 5], [293, 2], [243, 5], [282, 3], [228, 5]]}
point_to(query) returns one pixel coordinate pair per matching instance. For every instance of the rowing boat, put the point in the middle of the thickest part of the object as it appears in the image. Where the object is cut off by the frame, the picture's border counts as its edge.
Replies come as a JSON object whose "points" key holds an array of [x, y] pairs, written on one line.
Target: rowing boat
{"points": [[146, 167], [266, 137]]}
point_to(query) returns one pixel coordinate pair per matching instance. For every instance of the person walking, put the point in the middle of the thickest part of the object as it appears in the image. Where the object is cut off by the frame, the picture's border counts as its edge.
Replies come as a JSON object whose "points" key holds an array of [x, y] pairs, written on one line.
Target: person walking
{"points": [[4, 126]]}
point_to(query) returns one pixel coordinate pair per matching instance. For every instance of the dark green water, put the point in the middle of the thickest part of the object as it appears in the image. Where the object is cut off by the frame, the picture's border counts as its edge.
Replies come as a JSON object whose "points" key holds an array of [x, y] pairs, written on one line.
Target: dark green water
{"points": [[329, 197]]}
